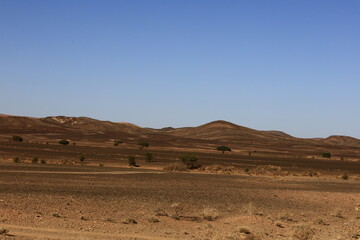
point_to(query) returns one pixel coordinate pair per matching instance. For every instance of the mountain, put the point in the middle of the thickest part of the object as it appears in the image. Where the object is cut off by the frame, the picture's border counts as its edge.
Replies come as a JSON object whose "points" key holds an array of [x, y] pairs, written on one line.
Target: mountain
{"points": [[90, 129]]}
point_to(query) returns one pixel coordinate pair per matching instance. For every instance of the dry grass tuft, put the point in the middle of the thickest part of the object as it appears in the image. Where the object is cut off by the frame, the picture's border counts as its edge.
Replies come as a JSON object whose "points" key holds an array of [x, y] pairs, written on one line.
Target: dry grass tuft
{"points": [[130, 221], [268, 170], [4, 231], [210, 214], [175, 167], [153, 220], [303, 233], [311, 173], [216, 168]]}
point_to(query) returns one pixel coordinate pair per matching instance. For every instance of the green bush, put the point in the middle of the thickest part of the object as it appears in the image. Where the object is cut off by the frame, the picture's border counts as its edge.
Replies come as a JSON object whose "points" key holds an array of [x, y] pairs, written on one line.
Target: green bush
{"points": [[35, 160], [148, 157], [326, 155], [82, 158], [132, 162], [117, 143], [223, 149], [64, 142], [190, 161], [17, 139]]}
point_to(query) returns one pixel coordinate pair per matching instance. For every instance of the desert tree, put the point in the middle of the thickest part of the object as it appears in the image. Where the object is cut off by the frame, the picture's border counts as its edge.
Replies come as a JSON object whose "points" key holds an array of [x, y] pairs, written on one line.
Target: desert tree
{"points": [[326, 155], [223, 149]]}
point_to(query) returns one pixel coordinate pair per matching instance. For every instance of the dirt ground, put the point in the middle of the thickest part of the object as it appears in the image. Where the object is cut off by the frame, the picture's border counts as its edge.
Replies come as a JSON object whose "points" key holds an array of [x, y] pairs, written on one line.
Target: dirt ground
{"points": [[114, 201]]}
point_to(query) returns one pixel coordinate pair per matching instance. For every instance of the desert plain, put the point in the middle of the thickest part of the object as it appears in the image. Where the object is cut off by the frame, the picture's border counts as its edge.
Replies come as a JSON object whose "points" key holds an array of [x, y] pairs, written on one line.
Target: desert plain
{"points": [[269, 186]]}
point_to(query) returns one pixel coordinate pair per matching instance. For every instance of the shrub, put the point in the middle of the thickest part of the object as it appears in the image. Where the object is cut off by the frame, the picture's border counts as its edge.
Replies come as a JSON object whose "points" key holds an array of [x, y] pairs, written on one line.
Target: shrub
{"points": [[326, 155], [143, 145], [130, 221], [132, 162], [16, 160], [82, 158], [35, 160], [64, 142], [210, 214], [148, 157], [190, 161], [17, 139], [344, 176], [4, 231], [223, 149], [117, 143], [153, 220], [43, 161], [303, 233]]}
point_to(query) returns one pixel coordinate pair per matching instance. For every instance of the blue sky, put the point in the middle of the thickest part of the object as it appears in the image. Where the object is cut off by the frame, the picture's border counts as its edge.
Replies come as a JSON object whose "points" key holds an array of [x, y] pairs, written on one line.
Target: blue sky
{"points": [[284, 65]]}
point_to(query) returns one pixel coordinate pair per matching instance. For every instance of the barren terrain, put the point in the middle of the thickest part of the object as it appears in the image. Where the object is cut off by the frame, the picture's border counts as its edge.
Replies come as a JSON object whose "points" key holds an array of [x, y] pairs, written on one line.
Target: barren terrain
{"points": [[270, 186]]}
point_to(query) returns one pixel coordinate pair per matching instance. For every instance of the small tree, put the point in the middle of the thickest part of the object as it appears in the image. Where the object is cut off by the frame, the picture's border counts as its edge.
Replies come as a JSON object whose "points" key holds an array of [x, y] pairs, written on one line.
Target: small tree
{"points": [[132, 162], [143, 145], [17, 139], [223, 149], [326, 155], [64, 142], [190, 161], [148, 157], [117, 143]]}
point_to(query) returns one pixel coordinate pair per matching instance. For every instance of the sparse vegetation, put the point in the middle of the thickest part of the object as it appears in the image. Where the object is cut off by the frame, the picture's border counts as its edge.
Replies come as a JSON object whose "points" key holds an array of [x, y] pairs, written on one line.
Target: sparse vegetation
{"points": [[303, 233], [17, 160], [132, 161], [210, 214], [223, 149], [326, 155], [190, 161], [82, 158], [143, 145], [4, 231], [130, 221], [148, 157], [153, 220], [64, 142], [344, 176], [17, 139], [35, 160], [176, 166], [216, 168], [43, 161], [117, 143]]}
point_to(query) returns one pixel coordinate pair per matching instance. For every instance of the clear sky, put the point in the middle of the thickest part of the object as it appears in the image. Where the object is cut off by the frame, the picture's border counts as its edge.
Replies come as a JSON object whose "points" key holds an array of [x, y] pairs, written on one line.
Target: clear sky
{"points": [[282, 65]]}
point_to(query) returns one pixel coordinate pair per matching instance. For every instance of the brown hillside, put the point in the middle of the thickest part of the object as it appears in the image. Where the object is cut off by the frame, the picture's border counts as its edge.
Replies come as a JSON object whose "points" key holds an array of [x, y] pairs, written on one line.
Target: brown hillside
{"points": [[342, 140], [222, 130]]}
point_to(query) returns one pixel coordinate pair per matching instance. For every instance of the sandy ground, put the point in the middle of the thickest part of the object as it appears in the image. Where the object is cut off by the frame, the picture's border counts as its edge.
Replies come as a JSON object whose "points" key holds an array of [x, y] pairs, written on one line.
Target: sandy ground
{"points": [[92, 202]]}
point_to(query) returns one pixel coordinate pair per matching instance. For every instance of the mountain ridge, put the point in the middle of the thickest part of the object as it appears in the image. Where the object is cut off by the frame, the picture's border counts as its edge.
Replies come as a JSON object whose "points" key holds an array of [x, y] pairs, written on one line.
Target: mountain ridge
{"points": [[219, 130]]}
